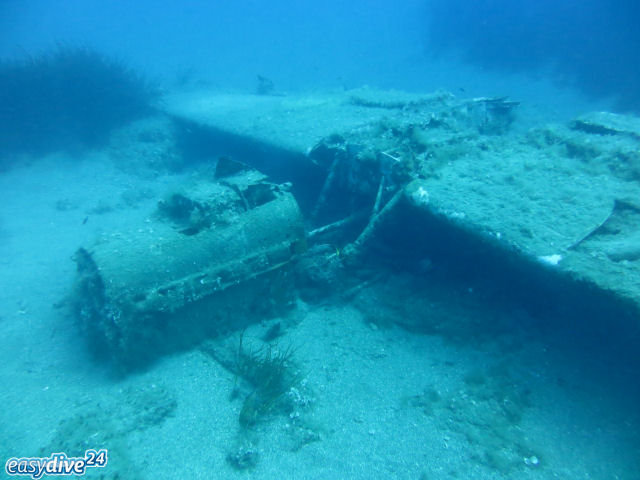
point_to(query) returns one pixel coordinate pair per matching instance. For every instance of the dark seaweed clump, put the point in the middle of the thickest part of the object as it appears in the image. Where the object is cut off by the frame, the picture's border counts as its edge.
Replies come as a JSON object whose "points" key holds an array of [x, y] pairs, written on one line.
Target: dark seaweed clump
{"points": [[68, 99]]}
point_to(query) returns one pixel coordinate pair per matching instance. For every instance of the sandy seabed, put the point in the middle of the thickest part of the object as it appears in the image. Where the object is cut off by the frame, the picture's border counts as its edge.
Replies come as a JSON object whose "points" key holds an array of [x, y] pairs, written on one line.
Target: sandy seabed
{"points": [[373, 401]]}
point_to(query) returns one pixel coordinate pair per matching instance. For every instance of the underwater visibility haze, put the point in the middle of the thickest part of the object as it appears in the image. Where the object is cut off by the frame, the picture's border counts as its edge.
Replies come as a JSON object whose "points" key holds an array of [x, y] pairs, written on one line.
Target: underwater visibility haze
{"points": [[297, 239]]}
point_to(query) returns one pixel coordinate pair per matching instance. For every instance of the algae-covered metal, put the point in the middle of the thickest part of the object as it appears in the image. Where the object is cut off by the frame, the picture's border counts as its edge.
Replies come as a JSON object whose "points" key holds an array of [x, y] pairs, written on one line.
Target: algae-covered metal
{"points": [[562, 196], [212, 257]]}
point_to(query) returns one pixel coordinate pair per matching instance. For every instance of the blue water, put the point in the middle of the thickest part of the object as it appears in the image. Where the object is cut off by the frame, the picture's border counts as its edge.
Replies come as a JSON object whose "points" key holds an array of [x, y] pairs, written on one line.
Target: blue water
{"points": [[300, 45], [446, 367], [591, 44]]}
